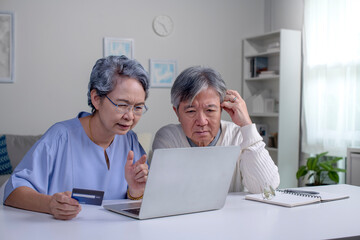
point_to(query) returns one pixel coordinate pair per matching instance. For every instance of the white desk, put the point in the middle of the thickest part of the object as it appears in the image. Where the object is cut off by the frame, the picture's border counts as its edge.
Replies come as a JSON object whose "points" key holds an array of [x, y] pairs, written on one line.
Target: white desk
{"points": [[239, 219]]}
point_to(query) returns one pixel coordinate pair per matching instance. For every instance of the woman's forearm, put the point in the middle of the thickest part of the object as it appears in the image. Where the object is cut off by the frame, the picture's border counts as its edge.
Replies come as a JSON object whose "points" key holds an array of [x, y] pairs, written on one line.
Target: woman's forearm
{"points": [[27, 198]]}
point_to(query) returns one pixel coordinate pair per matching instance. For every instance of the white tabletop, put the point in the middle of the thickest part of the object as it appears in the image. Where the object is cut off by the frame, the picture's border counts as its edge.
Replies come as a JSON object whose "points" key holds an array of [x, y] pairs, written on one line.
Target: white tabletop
{"points": [[239, 218]]}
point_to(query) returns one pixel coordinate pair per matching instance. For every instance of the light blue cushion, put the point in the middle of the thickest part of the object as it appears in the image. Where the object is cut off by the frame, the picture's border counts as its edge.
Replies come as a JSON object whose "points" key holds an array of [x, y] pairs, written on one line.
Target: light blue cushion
{"points": [[5, 165]]}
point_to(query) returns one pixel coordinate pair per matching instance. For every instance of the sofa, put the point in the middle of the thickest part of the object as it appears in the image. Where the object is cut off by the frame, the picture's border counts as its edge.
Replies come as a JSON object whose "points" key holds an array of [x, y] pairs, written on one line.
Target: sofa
{"points": [[16, 146]]}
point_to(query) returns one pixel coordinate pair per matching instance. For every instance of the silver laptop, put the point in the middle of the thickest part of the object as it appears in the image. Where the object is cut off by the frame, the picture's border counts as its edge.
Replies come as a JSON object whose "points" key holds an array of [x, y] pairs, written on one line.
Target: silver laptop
{"points": [[184, 180]]}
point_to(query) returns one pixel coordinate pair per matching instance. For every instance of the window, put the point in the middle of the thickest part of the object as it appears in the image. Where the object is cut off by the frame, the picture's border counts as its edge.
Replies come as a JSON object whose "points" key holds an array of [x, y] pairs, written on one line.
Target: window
{"points": [[331, 89]]}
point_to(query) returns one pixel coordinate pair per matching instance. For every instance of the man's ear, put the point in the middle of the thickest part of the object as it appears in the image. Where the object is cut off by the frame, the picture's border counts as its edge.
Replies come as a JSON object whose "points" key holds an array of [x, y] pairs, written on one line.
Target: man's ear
{"points": [[176, 112], [95, 99]]}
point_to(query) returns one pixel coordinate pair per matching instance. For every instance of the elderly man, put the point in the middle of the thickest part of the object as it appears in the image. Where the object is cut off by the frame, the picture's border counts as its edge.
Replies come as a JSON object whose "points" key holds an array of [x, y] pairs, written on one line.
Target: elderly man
{"points": [[198, 97]]}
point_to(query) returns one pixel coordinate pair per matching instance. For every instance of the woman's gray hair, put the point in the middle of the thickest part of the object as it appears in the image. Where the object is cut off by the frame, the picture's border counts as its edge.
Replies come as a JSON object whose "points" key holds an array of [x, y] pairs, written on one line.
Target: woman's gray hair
{"points": [[192, 81], [106, 70]]}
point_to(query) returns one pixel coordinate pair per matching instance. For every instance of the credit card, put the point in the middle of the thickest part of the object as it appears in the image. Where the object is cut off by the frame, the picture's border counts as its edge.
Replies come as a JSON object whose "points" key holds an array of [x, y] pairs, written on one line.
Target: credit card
{"points": [[86, 196]]}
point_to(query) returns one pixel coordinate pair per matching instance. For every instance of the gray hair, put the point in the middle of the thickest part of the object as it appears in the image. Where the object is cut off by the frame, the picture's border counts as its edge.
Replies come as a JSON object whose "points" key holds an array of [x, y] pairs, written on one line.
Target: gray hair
{"points": [[192, 81], [105, 71]]}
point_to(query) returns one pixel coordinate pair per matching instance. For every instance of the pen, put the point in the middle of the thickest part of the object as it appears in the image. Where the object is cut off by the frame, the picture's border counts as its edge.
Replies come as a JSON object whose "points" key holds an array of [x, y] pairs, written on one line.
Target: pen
{"points": [[300, 191]]}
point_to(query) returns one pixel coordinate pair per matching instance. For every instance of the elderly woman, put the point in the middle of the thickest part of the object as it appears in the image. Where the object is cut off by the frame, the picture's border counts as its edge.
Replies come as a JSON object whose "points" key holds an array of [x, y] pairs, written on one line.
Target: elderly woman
{"points": [[198, 97], [91, 151]]}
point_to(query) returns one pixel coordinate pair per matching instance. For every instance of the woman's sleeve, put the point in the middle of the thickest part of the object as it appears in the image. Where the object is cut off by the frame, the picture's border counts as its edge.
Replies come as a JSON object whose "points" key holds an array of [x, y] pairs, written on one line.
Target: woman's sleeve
{"points": [[34, 170]]}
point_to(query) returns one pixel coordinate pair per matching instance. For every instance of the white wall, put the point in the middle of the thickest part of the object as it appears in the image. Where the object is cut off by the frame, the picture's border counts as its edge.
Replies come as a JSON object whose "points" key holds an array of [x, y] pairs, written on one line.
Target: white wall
{"points": [[58, 42], [286, 14]]}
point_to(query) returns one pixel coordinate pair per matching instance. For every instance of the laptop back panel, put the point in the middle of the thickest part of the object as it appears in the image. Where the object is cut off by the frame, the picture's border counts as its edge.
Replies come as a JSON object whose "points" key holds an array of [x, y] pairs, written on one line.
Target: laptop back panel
{"points": [[187, 180]]}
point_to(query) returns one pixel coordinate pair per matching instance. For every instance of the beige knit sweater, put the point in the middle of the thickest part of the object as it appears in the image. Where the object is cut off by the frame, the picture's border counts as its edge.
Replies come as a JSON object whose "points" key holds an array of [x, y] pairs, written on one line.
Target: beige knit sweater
{"points": [[254, 170]]}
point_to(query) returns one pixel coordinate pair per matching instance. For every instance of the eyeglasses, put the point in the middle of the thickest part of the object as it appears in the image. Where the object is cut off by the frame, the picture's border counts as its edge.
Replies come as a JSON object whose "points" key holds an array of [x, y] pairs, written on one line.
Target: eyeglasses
{"points": [[123, 108]]}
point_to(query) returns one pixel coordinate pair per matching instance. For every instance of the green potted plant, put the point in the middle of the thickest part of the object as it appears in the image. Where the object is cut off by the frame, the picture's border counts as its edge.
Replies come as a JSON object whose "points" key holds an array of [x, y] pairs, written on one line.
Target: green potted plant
{"points": [[315, 168]]}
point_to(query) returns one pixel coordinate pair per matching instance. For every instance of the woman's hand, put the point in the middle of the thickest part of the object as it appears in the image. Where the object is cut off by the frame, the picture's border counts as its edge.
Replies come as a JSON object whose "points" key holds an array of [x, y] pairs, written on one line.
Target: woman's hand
{"points": [[60, 205], [136, 174], [235, 106], [63, 207]]}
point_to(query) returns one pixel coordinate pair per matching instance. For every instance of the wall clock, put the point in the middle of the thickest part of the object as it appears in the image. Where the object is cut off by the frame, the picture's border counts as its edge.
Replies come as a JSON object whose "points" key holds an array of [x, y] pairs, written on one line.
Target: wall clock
{"points": [[163, 25]]}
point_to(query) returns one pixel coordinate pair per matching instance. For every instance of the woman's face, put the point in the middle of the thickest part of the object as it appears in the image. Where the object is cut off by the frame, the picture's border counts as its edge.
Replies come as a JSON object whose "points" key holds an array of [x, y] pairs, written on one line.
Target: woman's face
{"points": [[127, 91], [200, 119]]}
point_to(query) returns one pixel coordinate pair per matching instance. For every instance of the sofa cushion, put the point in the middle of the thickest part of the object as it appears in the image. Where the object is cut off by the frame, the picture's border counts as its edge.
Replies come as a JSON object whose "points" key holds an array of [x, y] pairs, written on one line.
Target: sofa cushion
{"points": [[5, 165], [3, 179], [18, 146]]}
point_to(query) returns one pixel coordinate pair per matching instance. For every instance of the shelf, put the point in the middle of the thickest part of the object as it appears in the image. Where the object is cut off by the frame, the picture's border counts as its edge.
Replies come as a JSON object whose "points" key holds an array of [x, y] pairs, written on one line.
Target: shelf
{"points": [[283, 52], [264, 114], [275, 77], [266, 53], [271, 149], [263, 37]]}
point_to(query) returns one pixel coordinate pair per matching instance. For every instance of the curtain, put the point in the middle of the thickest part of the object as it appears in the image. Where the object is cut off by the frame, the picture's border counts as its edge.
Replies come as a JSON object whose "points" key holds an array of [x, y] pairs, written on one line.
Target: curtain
{"points": [[331, 76]]}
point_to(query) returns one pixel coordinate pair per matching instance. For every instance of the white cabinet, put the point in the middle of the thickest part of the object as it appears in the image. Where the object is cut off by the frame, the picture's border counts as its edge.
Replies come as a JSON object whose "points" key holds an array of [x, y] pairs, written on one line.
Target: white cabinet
{"points": [[271, 87], [353, 166]]}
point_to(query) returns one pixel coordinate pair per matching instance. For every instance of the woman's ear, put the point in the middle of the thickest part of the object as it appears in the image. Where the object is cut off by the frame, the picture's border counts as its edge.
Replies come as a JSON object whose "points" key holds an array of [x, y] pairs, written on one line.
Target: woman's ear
{"points": [[95, 99]]}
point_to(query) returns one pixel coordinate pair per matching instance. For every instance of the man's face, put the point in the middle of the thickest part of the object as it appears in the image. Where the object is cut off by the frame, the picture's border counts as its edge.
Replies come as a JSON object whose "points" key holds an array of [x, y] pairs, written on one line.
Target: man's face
{"points": [[200, 119]]}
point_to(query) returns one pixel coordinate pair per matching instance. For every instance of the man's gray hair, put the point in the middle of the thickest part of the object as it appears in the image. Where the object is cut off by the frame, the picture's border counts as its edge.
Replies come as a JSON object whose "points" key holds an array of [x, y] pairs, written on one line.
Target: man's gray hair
{"points": [[106, 70], [192, 81]]}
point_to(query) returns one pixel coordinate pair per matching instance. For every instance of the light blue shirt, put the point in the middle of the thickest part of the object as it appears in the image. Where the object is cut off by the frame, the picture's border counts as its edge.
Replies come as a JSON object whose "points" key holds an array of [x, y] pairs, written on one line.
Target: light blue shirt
{"points": [[65, 158]]}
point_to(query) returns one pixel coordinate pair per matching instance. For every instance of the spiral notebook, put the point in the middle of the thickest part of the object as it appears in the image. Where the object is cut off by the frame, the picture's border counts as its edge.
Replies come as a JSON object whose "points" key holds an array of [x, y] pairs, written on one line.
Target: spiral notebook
{"points": [[296, 197]]}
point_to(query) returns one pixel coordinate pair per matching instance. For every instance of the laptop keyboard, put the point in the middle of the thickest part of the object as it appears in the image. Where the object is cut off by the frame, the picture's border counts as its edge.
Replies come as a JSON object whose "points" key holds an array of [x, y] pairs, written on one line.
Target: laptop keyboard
{"points": [[135, 211]]}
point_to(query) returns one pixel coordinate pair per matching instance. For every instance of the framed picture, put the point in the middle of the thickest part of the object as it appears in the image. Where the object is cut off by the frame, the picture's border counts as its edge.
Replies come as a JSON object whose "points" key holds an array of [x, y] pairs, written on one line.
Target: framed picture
{"points": [[6, 47], [162, 73], [118, 47]]}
